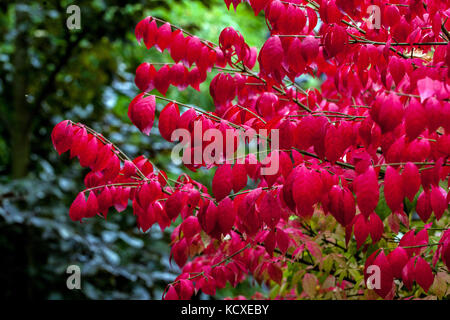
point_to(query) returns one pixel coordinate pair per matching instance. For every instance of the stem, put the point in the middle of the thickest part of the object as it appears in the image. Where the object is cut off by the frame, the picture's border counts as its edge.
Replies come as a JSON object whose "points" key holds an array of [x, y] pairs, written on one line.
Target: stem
{"points": [[106, 141], [398, 44], [404, 163], [423, 245], [444, 30], [128, 184], [231, 256], [246, 109], [248, 245], [280, 90], [214, 67], [205, 42]]}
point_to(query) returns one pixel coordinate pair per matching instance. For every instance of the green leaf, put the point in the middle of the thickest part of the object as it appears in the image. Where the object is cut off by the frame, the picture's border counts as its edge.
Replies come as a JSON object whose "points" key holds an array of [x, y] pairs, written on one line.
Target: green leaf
{"points": [[327, 264], [274, 291], [440, 284], [309, 284], [342, 275], [382, 208], [355, 273]]}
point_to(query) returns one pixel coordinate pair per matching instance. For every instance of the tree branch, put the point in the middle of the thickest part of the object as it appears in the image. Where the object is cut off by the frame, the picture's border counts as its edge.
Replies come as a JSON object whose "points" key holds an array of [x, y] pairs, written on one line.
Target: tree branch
{"points": [[50, 81]]}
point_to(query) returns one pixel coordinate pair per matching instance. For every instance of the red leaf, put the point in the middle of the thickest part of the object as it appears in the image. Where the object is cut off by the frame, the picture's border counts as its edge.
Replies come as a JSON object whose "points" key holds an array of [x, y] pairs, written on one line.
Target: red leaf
{"points": [[391, 15], [376, 227], [335, 40], [312, 18], [180, 252], [61, 136], [310, 48], [168, 120], [148, 193], [423, 206], [408, 273], [140, 27], [393, 189], [162, 79], [193, 50], [414, 119], [397, 69], [390, 112], [239, 177], [342, 205], [178, 75], [258, 5], [78, 208], [88, 154], [186, 289], [397, 259], [307, 190], [427, 88], [443, 144], [267, 104], [190, 227], [79, 140], [147, 218], [438, 201], [271, 55], [223, 89], [196, 77], [222, 182], [367, 193], [141, 112], [226, 215], [145, 75], [149, 34], [423, 274], [163, 37], [361, 230], [410, 180], [283, 240], [178, 46], [91, 205], [270, 210], [334, 147], [186, 118], [174, 204], [433, 109], [387, 279], [329, 12], [171, 294], [445, 253], [275, 273], [211, 218], [161, 216], [270, 242]]}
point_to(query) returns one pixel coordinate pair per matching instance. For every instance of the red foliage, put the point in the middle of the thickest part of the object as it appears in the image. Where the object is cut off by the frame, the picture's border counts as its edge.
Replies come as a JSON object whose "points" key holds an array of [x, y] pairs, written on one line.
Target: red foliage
{"points": [[381, 119]]}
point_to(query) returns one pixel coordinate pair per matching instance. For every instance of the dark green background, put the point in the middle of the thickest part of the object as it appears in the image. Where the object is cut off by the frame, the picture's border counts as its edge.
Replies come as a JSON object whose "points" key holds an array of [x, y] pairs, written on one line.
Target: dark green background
{"points": [[49, 73]]}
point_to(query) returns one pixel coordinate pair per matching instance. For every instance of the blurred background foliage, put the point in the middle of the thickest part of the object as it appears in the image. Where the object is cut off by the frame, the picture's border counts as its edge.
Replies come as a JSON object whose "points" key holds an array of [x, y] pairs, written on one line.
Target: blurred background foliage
{"points": [[49, 73]]}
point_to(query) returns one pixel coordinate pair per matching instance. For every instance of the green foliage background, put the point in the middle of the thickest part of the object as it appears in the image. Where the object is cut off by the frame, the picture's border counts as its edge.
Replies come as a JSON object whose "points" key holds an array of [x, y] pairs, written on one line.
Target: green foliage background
{"points": [[49, 73]]}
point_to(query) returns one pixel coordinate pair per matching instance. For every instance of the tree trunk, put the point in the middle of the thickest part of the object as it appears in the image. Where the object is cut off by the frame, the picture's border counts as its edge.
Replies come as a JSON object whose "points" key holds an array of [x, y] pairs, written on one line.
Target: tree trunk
{"points": [[20, 152], [19, 128]]}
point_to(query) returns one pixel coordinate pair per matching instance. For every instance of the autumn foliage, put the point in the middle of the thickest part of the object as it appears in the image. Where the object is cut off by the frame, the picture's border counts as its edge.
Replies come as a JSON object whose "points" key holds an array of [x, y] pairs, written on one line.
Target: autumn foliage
{"points": [[363, 160]]}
